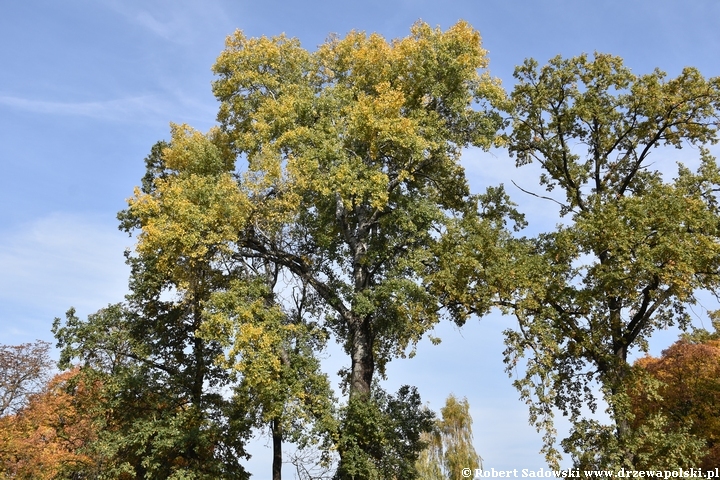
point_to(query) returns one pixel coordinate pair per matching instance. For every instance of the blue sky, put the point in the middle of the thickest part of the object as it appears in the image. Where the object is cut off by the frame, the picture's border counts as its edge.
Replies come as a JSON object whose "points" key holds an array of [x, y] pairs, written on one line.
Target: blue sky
{"points": [[86, 88]]}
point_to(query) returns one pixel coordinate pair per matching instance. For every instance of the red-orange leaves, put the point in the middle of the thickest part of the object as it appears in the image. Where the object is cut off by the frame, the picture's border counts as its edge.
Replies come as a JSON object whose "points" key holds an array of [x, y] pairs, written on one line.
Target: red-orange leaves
{"points": [[687, 392], [50, 436]]}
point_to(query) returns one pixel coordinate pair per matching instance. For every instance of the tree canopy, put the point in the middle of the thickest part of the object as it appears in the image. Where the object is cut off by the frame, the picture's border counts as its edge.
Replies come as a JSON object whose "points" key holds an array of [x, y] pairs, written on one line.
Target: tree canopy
{"points": [[353, 170], [353, 151], [53, 434], [314, 210], [634, 248]]}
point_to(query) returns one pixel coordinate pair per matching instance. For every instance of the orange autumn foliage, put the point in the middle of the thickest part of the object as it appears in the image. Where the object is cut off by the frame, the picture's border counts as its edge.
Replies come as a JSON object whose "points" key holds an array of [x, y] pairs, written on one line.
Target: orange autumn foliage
{"points": [[688, 392], [48, 438]]}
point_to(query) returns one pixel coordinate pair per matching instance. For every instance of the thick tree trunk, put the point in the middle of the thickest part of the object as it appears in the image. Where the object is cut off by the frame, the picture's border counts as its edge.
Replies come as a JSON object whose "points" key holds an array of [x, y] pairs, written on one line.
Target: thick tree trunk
{"points": [[356, 427], [277, 449], [363, 360], [620, 406]]}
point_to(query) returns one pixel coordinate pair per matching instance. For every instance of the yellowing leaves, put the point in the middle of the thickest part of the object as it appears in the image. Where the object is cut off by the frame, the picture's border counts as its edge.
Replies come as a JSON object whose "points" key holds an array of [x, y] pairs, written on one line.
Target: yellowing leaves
{"points": [[356, 113], [189, 215], [54, 432], [379, 121], [193, 152], [193, 215]]}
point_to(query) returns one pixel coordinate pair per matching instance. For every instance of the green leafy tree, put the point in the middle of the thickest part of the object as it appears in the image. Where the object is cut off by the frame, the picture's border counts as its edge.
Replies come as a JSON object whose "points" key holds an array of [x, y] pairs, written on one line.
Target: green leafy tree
{"points": [[633, 248], [188, 214], [383, 437], [154, 427], [449, 445], [354, 150], [170, 418], [353, 175], [274, 354]]}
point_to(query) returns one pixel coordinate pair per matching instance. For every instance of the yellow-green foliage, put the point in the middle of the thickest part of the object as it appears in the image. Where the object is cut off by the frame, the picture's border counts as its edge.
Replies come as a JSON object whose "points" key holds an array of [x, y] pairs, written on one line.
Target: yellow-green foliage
{"points": [[194, 214], [449, 447], [355, 147], [636, 245]]}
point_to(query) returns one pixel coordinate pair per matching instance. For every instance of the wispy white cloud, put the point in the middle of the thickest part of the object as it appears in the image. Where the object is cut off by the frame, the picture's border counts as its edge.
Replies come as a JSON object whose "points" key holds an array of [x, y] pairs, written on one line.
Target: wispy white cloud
{"points": [[167, 29], [145, 19], [122, 109], [54, 262], [167, 21], [174, 104]]}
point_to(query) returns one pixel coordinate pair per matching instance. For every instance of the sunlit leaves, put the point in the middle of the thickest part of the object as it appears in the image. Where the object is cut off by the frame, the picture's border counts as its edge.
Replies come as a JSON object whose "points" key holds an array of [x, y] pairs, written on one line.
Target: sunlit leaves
{"points": [[449, 447], [357, 100], [353, 153], [194, 213], [636, 248], [51, 437], [361, 139]]}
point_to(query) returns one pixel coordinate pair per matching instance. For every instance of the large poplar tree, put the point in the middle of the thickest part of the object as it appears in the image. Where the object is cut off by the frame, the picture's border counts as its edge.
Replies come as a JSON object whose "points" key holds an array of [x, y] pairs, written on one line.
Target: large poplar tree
{"points": [[359, 142], [336, 171], [356, 148]]}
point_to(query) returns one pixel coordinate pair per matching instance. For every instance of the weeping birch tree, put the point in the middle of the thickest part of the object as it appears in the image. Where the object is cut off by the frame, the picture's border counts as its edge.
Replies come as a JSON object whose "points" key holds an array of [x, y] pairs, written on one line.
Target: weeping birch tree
{"points": [[450, 445]]}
